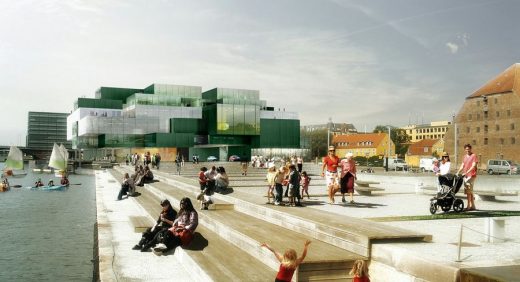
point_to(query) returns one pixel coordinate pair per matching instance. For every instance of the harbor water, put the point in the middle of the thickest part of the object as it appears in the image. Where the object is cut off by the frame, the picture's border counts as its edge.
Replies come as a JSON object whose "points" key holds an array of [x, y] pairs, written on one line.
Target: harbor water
{"points": [[48, 235]]}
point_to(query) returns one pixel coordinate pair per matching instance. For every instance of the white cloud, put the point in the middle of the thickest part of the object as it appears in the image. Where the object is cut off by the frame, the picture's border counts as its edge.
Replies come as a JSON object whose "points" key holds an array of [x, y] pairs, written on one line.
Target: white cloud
{"points": [[454, 48]]}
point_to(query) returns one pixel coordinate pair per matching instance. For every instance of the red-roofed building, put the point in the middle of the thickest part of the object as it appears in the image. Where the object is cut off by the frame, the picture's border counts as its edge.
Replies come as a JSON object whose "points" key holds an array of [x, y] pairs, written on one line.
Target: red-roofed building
{"points": [[489, 120], [363, 144], [423, 148]]}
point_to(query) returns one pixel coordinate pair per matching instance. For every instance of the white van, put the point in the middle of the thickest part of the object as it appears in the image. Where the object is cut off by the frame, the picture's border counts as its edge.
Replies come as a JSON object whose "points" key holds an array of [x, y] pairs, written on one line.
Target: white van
{"points": [[396, 164], [426, 164], [501, 166]]}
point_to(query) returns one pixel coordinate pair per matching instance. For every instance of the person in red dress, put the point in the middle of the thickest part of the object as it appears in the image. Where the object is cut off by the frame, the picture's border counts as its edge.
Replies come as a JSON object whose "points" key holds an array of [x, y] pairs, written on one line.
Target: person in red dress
{"points": [[288, 262], [330, 162]]}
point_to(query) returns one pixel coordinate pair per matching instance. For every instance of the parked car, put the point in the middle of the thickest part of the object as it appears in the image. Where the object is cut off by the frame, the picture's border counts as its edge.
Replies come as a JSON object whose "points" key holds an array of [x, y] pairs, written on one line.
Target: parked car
{"points": [[396, 164], [234, 158], [212, 159], [426, 164], [501, 166]]}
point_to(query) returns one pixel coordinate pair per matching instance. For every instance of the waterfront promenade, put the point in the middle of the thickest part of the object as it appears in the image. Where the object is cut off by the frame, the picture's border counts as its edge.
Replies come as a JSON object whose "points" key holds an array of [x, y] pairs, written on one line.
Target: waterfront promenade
{"points": [[417, 257]]}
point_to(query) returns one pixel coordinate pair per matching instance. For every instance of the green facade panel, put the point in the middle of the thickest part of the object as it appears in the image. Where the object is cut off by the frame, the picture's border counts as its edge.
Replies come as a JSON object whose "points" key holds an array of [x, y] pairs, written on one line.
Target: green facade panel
{"points": [[99, 103], [184, 125], [169, 140], [278, 133], [231, 140], [120, 140], [116, 93]]}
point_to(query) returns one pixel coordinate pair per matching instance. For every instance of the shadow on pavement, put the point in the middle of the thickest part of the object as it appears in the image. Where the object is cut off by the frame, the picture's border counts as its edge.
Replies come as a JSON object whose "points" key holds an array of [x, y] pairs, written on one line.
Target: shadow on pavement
{"points": [[198, 243]]}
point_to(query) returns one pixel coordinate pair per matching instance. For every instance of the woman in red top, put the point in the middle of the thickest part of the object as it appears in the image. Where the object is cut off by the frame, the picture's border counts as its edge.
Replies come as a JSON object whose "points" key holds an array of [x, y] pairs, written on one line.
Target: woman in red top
{"points": [[331, 162], [360, 271], [288, 262]]}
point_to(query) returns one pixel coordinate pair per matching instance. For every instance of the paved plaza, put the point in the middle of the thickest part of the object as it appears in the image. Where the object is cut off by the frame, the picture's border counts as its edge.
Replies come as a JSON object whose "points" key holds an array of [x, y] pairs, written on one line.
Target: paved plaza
{"points": [[400, 198]]}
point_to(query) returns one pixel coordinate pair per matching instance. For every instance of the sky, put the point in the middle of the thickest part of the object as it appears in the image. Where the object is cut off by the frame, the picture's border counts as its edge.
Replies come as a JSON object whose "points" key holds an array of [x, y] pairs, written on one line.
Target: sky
{"points": [[371, 62]]}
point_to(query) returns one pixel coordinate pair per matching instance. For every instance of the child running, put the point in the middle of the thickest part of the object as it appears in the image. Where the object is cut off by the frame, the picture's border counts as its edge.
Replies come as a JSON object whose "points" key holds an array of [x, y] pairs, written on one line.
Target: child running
{"points": [[288, 262], [271, 175], [360, 271], [304, 182]]}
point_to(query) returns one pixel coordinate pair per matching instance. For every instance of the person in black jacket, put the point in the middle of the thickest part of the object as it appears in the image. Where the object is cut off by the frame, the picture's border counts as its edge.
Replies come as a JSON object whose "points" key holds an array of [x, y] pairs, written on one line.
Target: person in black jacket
{"points": [[165, 221]]}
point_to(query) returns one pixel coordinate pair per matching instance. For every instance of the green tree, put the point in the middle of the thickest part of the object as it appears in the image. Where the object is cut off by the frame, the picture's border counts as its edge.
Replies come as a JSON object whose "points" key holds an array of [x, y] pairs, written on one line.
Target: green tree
{"points": [[317, 141], [398, 136]]}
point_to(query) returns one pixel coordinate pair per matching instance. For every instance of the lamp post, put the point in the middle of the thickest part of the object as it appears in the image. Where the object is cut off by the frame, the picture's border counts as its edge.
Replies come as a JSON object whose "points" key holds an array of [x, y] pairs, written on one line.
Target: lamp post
{"points": [[455, 140], [388, 155]]}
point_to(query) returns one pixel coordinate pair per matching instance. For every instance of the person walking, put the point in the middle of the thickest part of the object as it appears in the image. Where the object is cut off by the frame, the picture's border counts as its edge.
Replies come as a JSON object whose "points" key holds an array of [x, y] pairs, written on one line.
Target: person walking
{"points": [[348, 176], [469, 171], [330, 162], [299, 163], [288, 262]]}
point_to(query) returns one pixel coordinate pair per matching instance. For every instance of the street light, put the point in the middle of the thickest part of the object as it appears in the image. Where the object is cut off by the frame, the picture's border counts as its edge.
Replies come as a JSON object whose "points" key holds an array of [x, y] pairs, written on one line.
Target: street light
{"points": [[388, 157]]}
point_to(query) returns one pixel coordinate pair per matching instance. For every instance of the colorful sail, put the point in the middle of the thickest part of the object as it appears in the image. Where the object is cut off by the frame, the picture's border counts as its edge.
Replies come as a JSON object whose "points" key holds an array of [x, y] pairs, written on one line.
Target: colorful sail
{"points": [[14, 159]]}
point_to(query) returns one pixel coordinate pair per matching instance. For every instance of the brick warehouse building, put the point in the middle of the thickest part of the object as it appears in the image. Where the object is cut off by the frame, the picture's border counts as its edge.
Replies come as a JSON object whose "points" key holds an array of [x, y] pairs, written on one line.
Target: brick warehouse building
{"points": [[489, 120]]}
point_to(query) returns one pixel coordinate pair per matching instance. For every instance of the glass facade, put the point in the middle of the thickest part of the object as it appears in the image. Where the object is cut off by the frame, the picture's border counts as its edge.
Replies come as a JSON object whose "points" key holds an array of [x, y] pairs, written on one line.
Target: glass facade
{"points": [[217, 122], [45, 129]]}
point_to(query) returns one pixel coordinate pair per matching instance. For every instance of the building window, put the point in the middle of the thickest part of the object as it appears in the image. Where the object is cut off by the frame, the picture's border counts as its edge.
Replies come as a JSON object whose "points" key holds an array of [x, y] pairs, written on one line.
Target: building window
{"points": [[508, 113], [485, 114], [474, 142], [498, 114], [512, 126], [501, 141], [497, 127], [470, 117], [485, 128], [467, 130], [513, 140], [478, 129], [496, 101], [485, 141]]}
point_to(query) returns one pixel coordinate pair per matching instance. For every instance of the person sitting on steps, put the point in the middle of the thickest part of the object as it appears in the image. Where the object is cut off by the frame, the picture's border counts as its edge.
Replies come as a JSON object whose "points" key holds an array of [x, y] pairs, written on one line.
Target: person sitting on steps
{"points": [[183, 229], [165, 221]]}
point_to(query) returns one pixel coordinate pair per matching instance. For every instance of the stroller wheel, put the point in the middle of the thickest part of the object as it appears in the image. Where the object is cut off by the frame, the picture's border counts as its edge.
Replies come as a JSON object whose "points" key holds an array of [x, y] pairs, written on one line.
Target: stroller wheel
{"points": [[433, 208], [458, 205], [445, 208]]}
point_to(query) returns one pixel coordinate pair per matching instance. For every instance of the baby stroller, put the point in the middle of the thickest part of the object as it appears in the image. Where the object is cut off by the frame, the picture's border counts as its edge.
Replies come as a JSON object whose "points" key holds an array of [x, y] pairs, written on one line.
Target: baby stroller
{"points": [[446, 199]]}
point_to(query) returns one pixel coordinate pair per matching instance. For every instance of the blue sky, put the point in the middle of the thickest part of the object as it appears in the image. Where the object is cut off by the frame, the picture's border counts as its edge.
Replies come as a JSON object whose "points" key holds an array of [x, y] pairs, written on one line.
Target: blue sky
{"points": [[362, 62]]}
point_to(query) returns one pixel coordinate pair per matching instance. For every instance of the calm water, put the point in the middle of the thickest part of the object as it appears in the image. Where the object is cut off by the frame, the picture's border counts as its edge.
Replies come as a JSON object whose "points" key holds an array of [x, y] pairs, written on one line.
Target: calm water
{"points": [[47, 235]]}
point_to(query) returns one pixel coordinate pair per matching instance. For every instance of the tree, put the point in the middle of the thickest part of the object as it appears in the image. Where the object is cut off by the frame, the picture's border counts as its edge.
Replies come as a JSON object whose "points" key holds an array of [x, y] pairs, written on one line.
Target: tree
{"points": [[398, 136], [317, 142]]}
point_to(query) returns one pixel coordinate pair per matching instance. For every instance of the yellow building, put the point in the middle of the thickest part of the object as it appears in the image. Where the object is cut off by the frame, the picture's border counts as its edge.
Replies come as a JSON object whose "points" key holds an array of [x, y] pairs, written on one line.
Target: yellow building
{"points": [[434, 130], [363, 144]]}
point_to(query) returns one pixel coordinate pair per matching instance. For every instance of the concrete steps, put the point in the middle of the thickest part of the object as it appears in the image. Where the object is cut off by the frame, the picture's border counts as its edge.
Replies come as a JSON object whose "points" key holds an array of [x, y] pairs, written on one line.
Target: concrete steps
{"points": [[207, 248], [247, 233]]}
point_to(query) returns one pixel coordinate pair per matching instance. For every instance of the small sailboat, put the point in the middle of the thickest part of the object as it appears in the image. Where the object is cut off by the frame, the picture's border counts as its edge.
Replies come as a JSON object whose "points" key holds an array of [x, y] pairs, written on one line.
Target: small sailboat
{"points": [[59, 159], [14, 163]]}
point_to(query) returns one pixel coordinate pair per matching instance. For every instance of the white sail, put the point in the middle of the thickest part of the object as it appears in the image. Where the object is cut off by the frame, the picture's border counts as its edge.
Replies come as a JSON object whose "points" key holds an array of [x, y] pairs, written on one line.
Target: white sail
{"points": [[65, 154], [14, 159], [58, 160]]}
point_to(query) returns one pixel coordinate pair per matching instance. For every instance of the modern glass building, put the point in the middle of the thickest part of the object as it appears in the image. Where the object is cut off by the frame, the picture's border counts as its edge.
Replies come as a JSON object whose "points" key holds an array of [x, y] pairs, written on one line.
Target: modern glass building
{"points": [[44, 129], [172, 119]]}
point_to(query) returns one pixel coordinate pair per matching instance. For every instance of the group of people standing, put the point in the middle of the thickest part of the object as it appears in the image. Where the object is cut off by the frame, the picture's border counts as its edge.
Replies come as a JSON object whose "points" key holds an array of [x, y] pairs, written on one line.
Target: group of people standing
{"points": [[342, 181], [287, 176], [145, 159]]}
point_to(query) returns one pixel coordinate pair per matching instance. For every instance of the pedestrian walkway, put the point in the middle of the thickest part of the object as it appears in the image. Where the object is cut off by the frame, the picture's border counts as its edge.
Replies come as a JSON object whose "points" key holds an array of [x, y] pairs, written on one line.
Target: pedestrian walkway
{"points": [[438, 256]]}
